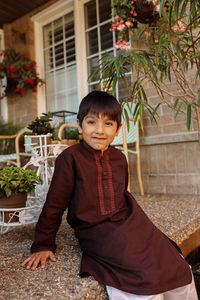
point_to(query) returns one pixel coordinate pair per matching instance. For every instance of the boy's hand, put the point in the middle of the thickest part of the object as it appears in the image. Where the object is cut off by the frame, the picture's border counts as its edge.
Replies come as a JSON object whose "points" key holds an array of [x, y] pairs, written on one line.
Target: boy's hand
{"points": [[33, 261]]}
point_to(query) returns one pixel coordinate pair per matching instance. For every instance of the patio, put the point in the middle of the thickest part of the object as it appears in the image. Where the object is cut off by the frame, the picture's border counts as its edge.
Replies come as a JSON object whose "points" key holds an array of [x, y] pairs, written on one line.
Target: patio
{"points": [[176, 216]]}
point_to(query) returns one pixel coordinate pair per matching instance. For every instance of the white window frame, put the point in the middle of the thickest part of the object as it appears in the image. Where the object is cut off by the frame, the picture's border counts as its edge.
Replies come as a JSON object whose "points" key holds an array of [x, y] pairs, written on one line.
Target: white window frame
{"points": [[3, 103], [55, 11]]}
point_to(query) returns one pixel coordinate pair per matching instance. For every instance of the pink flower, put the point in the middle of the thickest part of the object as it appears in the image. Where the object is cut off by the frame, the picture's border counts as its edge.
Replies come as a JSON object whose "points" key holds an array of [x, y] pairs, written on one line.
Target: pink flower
{"points": [[121, 27], [123, 45], [116, 17], [129, 24], [134, 14], [131, 11], [157, 8], [180, 27]]}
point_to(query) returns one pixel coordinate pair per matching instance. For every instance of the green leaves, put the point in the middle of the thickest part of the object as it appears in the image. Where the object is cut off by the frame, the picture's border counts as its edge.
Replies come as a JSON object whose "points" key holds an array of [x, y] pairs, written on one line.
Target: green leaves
{"points": [[14, 179], [41, 125]]}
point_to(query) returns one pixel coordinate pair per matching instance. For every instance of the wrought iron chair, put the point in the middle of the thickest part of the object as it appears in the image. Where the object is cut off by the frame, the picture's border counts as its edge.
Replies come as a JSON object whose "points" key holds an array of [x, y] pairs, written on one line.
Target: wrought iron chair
{"points": [[126, 137]]}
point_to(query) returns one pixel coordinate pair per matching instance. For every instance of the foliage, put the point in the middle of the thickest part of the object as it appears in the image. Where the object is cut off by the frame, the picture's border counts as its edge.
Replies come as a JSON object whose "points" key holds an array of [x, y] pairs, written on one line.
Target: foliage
{"points": [[20, 72], [14, 180], [71, 133], [161, 54], [41, 125], [7, 146]]}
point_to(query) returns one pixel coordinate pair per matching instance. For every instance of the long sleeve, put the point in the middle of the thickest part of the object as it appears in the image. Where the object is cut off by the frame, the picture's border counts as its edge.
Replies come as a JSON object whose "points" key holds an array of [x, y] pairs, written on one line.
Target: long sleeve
{"points": [[58, 197]]}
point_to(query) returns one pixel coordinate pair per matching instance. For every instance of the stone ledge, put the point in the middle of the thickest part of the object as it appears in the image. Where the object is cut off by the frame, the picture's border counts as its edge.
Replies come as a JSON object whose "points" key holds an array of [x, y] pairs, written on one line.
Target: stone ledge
{"points": [[177, 216], [169, 138]]}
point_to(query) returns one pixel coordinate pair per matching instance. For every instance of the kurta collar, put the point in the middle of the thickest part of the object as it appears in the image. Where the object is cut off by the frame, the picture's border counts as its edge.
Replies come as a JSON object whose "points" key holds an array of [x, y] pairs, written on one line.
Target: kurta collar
{"points": [[94, 151]]}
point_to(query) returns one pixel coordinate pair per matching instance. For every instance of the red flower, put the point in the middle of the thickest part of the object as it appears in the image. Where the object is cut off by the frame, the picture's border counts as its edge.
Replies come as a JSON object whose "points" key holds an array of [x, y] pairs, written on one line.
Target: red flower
{"points": [[9, 66], [13, 70], [29, 81], [1, 67], [26, 67], [34, 90]]}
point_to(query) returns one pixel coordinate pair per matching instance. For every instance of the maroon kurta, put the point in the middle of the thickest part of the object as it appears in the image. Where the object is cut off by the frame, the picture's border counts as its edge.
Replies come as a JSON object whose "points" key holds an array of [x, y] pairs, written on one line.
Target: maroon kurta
{"points": [[121, 246]]}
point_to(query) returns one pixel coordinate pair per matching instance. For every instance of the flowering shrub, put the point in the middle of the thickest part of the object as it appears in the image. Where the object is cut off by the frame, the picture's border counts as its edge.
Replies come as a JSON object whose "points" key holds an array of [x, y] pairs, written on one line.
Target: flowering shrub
{"points": [[20, 72], [126, 14]]}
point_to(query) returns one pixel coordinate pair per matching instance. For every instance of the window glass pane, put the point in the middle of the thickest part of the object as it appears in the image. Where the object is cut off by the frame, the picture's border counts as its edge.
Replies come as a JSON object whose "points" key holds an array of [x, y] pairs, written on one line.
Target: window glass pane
{"points": [[92, 65], [59, 55], [49, 80], [60, 65], [92, 42], [58, 30], [47, 32], [48, 59], [60, 80], [51, 103], [71, 77], [104, 10], [70, 51], [90, 14], [106, 37], [69, 25]]}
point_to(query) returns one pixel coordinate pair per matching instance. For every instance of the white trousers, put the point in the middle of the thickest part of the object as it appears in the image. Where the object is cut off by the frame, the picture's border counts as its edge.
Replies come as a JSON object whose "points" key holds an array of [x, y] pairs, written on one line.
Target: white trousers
{"points": [[187, 292]]}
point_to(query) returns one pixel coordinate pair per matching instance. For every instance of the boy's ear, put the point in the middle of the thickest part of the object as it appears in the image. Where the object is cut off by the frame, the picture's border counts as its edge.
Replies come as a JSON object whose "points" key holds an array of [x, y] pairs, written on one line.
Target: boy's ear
{"points": [[118, 129], [79, 126]]}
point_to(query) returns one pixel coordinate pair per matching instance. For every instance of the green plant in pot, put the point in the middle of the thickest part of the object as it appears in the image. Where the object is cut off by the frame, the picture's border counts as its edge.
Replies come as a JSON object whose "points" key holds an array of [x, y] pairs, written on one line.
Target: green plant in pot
{"points": [[41, 126], [15, 183]]}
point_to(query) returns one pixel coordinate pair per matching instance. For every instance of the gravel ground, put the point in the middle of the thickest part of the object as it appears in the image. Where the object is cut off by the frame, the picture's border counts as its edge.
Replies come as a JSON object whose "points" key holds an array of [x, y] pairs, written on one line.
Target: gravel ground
{"points": [[177, 216]]}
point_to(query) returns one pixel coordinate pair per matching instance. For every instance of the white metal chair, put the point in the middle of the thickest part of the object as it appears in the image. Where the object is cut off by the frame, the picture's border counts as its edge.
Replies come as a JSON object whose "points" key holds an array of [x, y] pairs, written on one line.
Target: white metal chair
{"points": [[126, 137]]}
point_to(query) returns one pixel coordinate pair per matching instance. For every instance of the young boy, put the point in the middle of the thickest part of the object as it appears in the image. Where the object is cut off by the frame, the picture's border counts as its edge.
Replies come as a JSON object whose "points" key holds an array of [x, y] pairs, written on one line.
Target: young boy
{"points": [[121, 248]]}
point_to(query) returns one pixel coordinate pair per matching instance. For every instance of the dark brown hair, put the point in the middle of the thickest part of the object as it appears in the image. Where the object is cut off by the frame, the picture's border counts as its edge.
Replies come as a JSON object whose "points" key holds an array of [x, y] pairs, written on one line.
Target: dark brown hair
{"points": [[98, 102]]}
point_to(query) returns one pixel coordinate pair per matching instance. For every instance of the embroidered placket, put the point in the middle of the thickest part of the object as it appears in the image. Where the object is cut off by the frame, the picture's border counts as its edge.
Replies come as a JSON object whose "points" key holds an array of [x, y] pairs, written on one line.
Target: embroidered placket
{"points": [[103, 203]]}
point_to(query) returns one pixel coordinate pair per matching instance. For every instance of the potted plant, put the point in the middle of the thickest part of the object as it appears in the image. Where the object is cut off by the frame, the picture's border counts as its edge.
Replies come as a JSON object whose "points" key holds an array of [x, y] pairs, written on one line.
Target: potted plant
{"points": [[41, 126], [19, 71], [15, 183]]}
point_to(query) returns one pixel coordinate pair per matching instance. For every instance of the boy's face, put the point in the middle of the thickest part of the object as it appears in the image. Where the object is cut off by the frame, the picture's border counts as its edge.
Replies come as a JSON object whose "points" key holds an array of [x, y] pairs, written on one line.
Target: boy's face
{"points": [[98, 131]]}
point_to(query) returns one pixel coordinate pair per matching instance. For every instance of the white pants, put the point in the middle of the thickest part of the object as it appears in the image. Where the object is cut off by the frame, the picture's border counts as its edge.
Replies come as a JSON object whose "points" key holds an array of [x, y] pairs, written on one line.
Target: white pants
{"points": [[187, 292]]}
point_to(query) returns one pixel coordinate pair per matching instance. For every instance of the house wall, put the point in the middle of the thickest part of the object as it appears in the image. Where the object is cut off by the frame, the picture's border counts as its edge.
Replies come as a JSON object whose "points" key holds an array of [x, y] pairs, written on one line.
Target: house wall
{"points": [[20, 34], [169, 155]]}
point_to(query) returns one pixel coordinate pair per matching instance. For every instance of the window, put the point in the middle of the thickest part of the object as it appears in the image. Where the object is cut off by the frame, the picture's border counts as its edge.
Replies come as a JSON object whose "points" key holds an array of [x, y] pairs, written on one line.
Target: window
{"points": [[98, 37], [60, 64]]}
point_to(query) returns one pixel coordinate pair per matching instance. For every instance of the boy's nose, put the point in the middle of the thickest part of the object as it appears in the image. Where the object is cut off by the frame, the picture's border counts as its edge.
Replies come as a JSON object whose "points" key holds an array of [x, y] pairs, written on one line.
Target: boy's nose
{"points": [[99, 128]]}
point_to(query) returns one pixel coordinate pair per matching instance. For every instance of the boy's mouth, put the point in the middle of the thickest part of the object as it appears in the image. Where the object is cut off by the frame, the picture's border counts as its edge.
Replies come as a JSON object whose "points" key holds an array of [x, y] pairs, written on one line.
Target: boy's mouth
{"points": [[99, 138]]}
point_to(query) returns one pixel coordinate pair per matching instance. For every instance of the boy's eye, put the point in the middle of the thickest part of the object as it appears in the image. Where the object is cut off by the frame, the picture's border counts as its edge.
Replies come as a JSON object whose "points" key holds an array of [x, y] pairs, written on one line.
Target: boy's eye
{"points": [[109, 123], [90, 122]]}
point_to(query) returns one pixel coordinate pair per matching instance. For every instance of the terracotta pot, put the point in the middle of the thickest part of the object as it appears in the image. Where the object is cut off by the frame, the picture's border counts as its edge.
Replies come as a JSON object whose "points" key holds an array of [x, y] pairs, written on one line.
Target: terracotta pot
{"points": [[16, 200]]}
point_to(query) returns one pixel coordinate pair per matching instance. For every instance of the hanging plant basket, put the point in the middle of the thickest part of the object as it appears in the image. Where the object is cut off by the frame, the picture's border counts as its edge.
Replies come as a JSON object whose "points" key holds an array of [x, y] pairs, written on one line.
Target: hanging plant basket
{"points": [[126, 16], [19, 71], [145, 12]]}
